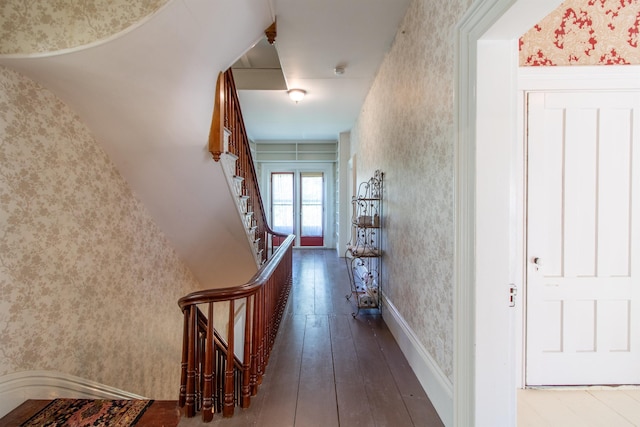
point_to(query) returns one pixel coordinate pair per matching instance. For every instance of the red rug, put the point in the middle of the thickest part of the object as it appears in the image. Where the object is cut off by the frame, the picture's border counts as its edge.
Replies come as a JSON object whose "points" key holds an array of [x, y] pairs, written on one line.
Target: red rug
{"points": [[89, 412]]}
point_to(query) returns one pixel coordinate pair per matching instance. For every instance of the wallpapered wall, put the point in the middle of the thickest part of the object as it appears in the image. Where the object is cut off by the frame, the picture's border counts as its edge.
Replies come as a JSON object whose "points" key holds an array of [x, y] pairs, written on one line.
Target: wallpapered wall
{"points": [[585, 32], [88, 283], [29, 26], [405, 129]]}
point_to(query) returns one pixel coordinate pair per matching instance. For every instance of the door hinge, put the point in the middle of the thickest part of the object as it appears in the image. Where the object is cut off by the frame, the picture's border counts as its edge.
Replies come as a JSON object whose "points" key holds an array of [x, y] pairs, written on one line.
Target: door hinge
{"points": [[513, 291]]}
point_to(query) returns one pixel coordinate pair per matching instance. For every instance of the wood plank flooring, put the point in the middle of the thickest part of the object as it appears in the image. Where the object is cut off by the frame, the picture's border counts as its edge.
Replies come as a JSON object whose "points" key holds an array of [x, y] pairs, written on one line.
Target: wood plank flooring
{"points": [[328, 369]]}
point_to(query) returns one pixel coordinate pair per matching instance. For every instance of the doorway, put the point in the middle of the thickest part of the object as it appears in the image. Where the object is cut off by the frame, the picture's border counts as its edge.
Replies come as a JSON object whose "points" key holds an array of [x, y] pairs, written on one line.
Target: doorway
{"points": [[298, 203], [489, 251]]}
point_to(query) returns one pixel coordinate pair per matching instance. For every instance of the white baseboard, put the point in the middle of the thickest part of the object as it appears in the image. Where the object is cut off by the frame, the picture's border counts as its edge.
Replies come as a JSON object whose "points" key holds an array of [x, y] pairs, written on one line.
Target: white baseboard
{"points": [[18, 387], [433, 381]]}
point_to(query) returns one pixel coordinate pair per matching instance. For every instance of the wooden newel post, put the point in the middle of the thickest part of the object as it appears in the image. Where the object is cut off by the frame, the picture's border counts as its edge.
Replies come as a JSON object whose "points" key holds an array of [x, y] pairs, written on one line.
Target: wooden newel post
{"points": [[216, 133]]}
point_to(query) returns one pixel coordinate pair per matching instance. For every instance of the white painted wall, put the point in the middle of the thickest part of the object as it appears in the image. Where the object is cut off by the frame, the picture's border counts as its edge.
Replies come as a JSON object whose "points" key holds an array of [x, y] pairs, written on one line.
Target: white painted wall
{"points": [[344, 193]]}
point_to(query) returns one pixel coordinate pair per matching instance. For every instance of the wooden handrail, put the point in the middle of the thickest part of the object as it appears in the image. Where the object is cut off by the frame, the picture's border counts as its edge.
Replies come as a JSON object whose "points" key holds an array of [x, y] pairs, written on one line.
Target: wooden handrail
{"points": [[228, 115], [212, 376], [205, 386], [216, 133], [242, 291]]}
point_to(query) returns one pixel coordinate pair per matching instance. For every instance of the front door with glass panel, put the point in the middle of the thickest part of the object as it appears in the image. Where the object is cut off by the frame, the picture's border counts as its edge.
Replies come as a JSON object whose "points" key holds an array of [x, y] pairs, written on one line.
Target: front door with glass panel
{"points": [[282, 207], [311, 209], [297, 206]]}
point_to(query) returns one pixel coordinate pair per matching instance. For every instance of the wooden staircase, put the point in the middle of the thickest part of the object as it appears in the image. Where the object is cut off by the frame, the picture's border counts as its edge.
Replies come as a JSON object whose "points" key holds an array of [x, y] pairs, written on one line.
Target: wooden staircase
{"points": [[222, 369], [161, 413], [243, 204]]}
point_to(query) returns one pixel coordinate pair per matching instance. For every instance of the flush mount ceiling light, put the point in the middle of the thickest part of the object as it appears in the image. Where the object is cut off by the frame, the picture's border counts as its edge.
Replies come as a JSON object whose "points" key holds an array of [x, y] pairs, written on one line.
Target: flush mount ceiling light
{"points": [[296, 95]]}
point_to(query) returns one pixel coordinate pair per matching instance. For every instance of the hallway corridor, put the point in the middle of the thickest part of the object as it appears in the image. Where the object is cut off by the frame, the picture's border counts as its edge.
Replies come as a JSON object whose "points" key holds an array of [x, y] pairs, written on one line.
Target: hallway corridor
{"points": [[328, 369]]}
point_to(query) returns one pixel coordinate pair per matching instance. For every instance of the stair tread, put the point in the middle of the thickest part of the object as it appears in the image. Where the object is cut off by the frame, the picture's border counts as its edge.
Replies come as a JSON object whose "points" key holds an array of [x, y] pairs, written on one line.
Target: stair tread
{"points": [[161, 412]]}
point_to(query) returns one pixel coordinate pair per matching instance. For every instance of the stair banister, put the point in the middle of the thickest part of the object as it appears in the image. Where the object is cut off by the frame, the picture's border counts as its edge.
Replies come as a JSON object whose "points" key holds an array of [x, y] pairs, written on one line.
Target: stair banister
{"points": [[266, 295], [216, 133], [227, 116], [212, 378]]}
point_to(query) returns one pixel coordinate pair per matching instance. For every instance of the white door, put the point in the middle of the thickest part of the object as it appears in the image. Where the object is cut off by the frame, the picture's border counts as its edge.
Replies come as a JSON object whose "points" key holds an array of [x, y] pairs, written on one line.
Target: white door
{"points": [[583, 238]]}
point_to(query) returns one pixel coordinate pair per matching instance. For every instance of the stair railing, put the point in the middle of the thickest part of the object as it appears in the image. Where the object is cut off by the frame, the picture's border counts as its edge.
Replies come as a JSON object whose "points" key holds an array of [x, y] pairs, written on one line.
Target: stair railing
{"points": [[228, 115], [214, 378], [265, 297]]}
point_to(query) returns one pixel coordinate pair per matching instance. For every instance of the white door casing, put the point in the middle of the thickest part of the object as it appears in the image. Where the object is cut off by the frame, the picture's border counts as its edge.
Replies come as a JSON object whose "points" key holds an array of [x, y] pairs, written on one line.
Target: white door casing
{"points": [[582, 246], [327, 168], [478, 92]]}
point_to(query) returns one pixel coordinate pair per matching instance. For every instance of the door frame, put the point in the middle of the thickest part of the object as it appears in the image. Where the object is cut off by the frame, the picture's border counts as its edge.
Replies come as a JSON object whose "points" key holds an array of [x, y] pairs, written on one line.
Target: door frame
{"points": [[485, 127], [485, 114], [549, 79], [329, 193], [301, 175]]}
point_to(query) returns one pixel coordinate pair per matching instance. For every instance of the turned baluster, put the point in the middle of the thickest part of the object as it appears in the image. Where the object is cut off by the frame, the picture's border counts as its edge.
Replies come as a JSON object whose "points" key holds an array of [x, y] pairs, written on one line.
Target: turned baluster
{"points": [[271, 291], [190, 398], [261, 328], [229, 384], [209, 349], [246, 362], [183, 364], [255, 341]]}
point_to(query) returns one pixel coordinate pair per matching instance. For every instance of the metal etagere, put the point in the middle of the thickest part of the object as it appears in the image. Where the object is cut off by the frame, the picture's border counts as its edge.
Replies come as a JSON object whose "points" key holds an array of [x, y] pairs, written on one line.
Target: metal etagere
{"points": [[364, 251]]}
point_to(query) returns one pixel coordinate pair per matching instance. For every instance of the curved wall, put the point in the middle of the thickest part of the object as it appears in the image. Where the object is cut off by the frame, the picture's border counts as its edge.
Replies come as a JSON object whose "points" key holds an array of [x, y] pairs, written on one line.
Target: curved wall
{"points": [[46, 26], [88, 283]]}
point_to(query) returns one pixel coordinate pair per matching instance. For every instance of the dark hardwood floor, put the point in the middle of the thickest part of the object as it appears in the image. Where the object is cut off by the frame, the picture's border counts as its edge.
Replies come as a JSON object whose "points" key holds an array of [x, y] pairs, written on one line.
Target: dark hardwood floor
{"points": [[327, 369]]}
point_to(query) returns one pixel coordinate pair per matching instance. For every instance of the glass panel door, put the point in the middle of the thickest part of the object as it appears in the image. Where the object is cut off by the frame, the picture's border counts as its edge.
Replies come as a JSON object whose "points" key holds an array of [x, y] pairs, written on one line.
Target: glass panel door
{"points": [[311, 209], [282, 206]]}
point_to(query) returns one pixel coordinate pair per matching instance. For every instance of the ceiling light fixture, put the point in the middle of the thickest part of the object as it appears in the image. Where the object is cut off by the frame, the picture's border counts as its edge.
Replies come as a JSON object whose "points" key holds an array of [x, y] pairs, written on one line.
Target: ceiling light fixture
{"points": [[296, 95]]}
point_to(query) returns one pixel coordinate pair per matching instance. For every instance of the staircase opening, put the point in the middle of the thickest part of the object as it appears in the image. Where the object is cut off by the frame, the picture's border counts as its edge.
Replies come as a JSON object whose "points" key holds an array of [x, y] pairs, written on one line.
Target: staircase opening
{"points": [[259, 68]]}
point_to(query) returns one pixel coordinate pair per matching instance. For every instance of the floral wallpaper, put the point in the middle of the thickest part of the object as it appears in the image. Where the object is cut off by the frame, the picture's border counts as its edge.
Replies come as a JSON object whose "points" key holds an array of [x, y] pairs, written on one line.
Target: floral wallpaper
{"points": [[31, 26], [88, 283], [585, 32], [405, 129]]}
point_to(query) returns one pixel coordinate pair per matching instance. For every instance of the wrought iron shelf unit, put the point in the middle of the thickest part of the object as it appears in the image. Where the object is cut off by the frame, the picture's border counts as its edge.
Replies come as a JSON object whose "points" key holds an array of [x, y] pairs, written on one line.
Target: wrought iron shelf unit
{"points": [[364, 250]]}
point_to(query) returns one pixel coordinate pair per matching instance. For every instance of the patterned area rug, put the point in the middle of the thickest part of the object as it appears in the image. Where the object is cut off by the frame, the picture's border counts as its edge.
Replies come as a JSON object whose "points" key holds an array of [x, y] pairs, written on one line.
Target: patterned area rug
{"points": [[89, 412]]}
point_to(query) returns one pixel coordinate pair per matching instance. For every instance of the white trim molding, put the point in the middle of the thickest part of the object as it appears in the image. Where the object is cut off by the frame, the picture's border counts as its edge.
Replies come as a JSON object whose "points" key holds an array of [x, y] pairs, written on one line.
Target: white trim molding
{"points": [[623, 77], [484, 123], [433, 380], [18, 387]]}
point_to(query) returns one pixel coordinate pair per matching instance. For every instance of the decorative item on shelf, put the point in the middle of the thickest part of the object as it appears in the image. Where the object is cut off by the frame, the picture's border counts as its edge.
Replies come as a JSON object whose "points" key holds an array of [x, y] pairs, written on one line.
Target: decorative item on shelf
{"points": [[364, 220], [364, 250]]}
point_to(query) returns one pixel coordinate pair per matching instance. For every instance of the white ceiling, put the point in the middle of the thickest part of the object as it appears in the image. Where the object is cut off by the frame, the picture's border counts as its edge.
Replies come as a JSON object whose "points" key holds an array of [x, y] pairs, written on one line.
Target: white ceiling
{"points": [[315, 36], [147, 96]]}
